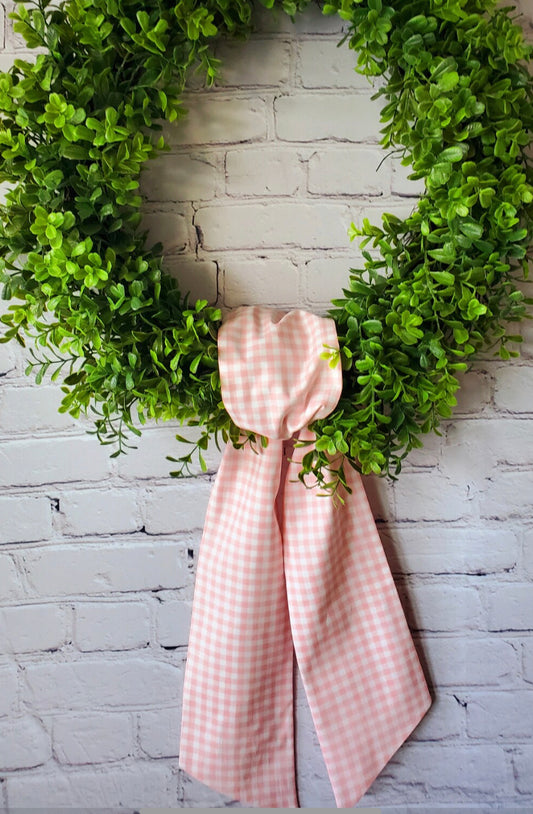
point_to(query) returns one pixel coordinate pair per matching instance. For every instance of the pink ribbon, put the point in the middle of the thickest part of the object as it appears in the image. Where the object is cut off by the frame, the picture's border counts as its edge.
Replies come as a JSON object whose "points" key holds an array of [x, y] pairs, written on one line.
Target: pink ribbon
{"points": [[282, 571]]}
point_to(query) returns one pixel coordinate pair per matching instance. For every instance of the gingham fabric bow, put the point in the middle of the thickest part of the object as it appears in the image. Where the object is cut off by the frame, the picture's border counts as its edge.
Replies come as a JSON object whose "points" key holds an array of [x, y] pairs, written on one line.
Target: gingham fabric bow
{"points": [[282, 571]]}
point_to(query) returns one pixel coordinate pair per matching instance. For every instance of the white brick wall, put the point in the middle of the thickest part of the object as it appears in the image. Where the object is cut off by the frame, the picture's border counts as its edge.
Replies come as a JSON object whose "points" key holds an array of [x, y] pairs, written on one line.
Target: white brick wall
{"points": [[97, 555]]}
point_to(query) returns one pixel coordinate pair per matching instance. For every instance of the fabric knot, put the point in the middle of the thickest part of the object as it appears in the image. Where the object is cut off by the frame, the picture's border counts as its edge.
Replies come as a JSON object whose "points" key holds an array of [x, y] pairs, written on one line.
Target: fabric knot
{"points": [[273, 379]]}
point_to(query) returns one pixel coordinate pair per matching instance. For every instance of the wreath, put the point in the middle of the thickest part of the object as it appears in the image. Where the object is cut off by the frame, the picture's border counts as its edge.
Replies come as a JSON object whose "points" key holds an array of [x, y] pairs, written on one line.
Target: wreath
{"points": [[77, 125]]}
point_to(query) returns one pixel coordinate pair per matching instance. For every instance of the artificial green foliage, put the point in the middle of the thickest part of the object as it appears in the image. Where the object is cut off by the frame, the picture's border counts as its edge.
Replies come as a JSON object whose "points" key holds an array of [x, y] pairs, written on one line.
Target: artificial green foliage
{"points": [[78, 123]]}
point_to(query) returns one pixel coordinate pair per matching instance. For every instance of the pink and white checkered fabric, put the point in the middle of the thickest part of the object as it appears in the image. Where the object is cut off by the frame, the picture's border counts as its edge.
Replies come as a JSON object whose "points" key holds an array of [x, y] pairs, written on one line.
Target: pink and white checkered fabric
{"points": [[283, 571]]}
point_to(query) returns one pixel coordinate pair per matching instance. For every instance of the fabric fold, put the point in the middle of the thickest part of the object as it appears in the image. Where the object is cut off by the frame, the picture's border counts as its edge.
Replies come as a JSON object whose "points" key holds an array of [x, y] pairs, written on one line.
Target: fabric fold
{"points": [[284, 572]]}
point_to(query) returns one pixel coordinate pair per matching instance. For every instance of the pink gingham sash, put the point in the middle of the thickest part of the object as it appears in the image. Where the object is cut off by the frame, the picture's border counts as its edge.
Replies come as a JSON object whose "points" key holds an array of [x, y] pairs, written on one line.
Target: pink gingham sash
{"points": [[284, 572]]}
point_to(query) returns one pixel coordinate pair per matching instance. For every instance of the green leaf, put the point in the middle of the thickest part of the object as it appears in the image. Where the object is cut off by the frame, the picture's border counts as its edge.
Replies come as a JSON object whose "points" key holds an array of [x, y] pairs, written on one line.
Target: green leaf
{"points": [[444, 277], [448, 81], [372, 326], [196, 362], [460, 335], [74, 151], [455, 153]]}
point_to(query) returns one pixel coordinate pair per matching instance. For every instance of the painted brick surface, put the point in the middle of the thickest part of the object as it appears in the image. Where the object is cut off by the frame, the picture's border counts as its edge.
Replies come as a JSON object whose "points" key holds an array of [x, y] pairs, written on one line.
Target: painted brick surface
{"points": [[98, 555], [473, 659], [258, 281], [266, 171], [9, 697], [261, 225], [97, 737], [43, 460], [258, 62], [348, 171], [112, 625], [29, 628], [129, 786], [213, 120], [333, 116], [103, 682], [179, 178], [105, 567], [159, 732], [23, 743]]}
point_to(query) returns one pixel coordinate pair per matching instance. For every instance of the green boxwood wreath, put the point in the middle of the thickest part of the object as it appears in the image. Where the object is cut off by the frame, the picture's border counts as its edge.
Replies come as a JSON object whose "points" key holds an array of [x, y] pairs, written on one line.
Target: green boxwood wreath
{"points": [[78, 123]]}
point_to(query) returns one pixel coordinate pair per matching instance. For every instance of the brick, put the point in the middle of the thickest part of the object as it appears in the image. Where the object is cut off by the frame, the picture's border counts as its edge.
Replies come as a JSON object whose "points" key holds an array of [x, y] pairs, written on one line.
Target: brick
{"points": [[477, 446], [444, 719], [253, 63], [10, 585], [507, 494], [453, 769], [112, 625], [159, 732], [149, 461], [260, 226], [173, 621], [443, 607], [142, 784], [2, 27], [28, 628], [216, 119], [93, 511], [317, 116], [428, 455], [7, 361], [497, 715], [418, 497], [527, 648], [179, 178], [263, 171], [169, 228], [93, 737], [9, 694], [528, 551], [180, 508], [438, 550], [23, 743], [322, 64], [260, 281], [348, 171], [29, 409], [97, 682], [104, 568], [24, 519], [6, 61], [199, 278], [510, 607], [514, 388], [525, 9], [523, 766], [52, 460], [457, 661], [326, 276], [475, 392]]}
